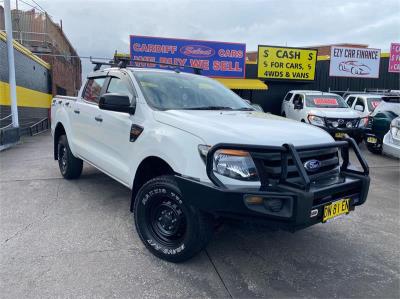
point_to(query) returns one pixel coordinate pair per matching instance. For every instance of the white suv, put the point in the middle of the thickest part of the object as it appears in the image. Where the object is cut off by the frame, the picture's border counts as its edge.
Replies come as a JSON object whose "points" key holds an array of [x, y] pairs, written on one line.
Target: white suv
{"points": [[364, 104], [326, 110]]}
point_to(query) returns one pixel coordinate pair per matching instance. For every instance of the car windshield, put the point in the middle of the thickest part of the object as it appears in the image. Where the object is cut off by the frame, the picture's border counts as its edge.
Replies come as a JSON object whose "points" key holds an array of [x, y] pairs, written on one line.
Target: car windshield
{"points": [[325, 101], [179, 91], [373, 103]]}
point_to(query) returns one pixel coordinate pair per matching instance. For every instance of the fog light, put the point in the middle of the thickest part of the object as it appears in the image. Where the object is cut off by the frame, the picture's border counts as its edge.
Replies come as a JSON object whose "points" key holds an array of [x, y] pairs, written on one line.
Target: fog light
{"points": [[273, 204], [254, 200]]}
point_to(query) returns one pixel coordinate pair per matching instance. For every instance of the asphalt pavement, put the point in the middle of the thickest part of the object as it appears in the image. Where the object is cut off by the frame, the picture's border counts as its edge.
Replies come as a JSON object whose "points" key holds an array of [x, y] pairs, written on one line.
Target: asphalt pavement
{"points": [[62, 238]]}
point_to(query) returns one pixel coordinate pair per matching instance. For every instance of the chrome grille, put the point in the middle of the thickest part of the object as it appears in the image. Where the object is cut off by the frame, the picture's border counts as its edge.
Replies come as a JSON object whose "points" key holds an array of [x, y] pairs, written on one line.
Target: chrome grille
{"points": [[341, 122]]}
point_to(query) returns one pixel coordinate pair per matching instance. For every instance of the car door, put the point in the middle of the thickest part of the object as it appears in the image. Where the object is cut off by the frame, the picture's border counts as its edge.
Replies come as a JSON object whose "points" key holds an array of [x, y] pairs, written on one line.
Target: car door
{"points": [[115, 128], [84, 123], [296, 113], [285, 103]]}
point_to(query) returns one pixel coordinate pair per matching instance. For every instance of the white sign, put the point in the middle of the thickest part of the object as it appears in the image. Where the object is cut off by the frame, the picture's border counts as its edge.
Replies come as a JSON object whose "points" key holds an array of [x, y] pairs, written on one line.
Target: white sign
{"points": [[354, 62]]}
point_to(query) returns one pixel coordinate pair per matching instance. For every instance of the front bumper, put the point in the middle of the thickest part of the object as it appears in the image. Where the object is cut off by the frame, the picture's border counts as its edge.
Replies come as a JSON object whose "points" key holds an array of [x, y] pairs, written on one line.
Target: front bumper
{"points": [[301, 205], [297, 204], [372, 140], [356, 133]]}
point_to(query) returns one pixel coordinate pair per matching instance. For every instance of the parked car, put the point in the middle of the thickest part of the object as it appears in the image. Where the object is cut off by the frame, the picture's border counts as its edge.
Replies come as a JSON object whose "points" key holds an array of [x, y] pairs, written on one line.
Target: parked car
{"points": [[391, 141], [363, 103], [325, 110], [379, 122], [192, 151]]}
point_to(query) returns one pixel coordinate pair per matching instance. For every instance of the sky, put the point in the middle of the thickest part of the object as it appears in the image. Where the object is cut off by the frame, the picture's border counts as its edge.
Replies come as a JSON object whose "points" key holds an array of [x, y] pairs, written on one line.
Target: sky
{"points": [[98, 28]]}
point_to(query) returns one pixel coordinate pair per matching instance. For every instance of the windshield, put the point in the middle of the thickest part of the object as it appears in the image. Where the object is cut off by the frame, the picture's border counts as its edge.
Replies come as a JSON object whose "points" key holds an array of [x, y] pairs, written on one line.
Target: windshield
{"points": [[373, 103], [182, 91], [325, 101]]}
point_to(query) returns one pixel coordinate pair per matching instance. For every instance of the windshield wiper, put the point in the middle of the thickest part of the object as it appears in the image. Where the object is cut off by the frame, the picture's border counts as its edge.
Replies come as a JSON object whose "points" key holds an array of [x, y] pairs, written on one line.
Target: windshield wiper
{"points": [[245, 109], [209, 108]]}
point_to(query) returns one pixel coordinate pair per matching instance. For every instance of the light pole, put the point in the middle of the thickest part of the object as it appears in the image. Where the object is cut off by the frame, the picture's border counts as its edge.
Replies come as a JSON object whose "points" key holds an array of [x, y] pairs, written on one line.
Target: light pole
{"points": [[11, 66]]}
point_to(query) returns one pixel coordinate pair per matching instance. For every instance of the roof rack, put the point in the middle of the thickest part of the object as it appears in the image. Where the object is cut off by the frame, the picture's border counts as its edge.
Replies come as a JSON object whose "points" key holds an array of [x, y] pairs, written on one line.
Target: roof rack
{"points": [[366, 90], [123, 62]]}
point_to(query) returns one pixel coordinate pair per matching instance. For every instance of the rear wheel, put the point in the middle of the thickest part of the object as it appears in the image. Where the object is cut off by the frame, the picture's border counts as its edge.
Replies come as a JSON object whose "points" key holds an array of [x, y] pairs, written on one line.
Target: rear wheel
{"points": [[70, 166], [171, 229]]}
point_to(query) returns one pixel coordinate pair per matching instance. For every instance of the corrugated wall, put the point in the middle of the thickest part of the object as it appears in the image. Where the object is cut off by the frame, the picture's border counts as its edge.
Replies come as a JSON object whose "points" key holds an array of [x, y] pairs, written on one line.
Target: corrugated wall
{"points": [[33, 86]]}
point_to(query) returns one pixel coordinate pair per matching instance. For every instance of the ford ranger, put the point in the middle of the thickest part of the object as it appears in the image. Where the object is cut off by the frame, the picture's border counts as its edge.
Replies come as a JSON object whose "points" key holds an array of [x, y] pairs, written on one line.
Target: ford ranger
{"points": [[192, 152]]}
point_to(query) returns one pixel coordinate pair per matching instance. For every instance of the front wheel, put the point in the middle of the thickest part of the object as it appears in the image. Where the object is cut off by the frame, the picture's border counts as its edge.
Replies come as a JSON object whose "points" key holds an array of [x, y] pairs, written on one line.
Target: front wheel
{"points": [[170, 228]]}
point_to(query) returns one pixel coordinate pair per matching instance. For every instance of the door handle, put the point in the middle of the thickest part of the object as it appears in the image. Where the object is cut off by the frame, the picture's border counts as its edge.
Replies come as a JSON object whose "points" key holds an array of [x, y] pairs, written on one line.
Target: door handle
{"points": [[98, 118], [67, 104], [77, 111]]}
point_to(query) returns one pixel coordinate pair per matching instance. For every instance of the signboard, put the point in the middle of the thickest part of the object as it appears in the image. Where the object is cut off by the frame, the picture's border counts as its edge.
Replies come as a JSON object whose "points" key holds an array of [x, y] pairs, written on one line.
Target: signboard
{"points": [[216, 59], [394, 58], [283, 63], [354, 62]]}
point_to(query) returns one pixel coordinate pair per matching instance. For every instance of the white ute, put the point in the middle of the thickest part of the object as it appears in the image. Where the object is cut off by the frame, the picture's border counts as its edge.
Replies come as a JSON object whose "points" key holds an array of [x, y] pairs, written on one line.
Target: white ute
{"points": [[363, 103], [325, 110], [192, 151]]}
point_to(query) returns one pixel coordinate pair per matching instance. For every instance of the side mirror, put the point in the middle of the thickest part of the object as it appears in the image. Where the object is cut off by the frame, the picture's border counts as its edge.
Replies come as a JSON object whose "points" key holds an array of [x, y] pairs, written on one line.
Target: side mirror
{"points": [[359, 108], [298, 105], [116, 102]]}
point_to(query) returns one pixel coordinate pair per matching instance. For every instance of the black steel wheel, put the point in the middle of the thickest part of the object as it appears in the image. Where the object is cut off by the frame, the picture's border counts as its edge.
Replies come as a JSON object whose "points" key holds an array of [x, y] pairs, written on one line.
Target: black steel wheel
{"points": [[70, 166], [169, 228]]}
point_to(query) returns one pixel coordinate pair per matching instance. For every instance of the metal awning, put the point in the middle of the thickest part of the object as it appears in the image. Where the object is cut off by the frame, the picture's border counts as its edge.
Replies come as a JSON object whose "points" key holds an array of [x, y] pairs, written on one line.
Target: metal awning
{"points": [[252, 84]]}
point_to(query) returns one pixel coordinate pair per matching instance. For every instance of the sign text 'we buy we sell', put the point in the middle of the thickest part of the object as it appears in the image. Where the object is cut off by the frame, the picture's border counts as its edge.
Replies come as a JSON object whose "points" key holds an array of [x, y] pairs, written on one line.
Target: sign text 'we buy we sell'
{"points": [[215, 59]]}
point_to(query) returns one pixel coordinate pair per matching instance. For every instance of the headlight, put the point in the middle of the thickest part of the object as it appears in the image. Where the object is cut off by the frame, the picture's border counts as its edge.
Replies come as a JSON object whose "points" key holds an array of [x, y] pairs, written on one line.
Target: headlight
{"points": [[395, 128], [363, 122], [316, 120], [234, 164]]}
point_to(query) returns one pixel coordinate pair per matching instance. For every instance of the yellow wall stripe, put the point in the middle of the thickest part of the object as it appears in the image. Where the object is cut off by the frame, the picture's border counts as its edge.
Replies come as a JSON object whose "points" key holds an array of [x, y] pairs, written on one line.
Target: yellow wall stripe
{"points": [[25, 97], [25, 51]]}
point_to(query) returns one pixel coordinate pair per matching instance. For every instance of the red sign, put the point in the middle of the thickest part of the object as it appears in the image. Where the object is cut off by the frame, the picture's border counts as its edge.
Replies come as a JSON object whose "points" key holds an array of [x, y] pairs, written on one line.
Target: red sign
{"points": [[394, 59], [325, 101]]}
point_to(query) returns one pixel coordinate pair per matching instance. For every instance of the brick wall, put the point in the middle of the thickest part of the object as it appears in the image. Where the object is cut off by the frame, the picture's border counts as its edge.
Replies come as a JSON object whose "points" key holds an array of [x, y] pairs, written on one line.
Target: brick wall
{"points": [[65, 74]]}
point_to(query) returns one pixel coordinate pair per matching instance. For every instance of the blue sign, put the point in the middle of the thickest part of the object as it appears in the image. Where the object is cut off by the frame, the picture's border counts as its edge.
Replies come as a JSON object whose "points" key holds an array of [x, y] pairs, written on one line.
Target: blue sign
{"points": [[216, 59]]}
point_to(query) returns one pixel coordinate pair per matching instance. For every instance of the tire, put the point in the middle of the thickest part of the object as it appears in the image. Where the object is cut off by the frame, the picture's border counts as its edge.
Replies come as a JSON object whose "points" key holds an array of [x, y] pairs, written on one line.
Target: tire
{"points": [[70, 166], [170, 229], [283, 114]]}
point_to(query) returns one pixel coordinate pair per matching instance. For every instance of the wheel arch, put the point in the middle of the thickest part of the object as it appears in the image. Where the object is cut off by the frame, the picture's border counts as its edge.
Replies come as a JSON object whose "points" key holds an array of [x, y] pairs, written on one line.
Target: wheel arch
{"points": [[149, 168], [58, 132]]}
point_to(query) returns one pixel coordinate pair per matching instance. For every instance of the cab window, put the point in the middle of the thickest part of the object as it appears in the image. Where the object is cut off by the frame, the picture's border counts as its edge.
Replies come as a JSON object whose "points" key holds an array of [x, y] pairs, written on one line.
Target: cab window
{"points": [[360, 102], [298, 99], [93, 89], [350, 101], [119, 86], [288, 96]]}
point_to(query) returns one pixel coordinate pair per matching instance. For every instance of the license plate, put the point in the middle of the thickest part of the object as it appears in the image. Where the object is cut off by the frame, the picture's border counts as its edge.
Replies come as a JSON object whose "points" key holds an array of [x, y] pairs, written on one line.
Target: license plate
{"points": [[372, 139], [340, 135], [336, 209]]}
